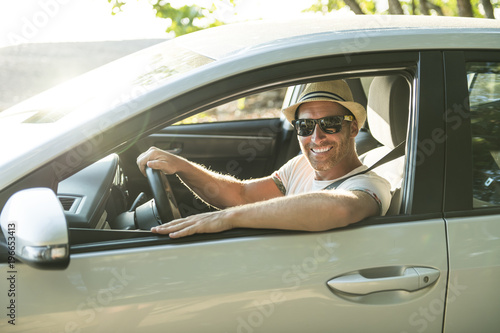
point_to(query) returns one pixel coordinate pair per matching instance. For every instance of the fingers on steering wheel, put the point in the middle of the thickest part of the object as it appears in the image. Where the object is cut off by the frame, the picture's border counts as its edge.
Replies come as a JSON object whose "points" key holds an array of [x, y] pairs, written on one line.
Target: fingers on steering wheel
{"points": [[145, 157], [142, 162]]}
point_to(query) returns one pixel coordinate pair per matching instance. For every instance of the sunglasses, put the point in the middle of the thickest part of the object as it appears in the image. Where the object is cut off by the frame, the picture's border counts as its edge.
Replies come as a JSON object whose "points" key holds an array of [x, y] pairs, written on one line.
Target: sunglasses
{"points": [[329, 125]]}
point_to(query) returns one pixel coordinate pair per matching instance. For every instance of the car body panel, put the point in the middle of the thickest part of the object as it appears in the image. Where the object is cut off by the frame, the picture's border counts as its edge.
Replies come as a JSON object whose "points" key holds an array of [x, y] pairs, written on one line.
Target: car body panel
{"points": [[474, 247], [270, 283]]}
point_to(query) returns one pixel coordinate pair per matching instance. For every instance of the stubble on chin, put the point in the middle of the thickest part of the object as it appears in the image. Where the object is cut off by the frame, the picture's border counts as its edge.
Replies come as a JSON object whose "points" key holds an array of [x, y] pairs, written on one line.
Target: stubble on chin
{"points": [[331, 159]]}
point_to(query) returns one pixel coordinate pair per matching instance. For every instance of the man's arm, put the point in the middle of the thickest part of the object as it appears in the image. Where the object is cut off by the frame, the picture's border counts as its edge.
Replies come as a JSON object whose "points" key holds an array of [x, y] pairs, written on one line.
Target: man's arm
{"points": [[315, 211], [221, 191]]}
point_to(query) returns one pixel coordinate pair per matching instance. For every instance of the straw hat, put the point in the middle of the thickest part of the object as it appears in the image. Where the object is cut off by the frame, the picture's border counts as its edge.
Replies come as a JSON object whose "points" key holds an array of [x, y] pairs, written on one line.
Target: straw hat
{"points": [[333, 91]]}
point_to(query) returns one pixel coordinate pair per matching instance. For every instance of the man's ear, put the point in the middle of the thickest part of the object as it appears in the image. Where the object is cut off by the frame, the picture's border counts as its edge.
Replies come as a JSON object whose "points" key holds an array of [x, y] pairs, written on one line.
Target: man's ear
{"points": [[354, 128]]}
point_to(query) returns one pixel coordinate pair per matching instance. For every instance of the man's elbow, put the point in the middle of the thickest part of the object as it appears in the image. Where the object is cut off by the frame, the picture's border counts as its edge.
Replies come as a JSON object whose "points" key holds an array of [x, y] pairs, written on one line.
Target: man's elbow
{"points": [[347, 216], [355, 214], [343, 217], [338, 219]]}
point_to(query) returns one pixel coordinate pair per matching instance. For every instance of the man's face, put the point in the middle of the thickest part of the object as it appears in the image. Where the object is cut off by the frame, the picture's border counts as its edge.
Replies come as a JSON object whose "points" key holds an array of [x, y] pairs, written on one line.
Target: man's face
{"points": [[323, 150]]}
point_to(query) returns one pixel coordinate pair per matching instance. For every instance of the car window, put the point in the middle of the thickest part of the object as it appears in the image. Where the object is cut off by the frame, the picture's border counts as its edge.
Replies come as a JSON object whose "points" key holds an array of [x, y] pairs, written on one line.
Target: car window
{"points": [[484, 96], [258, 106]]}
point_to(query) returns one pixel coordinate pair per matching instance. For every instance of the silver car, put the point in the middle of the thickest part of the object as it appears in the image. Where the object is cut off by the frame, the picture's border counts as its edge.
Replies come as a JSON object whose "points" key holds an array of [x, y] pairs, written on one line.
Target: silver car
{"points": [[77, 253]]}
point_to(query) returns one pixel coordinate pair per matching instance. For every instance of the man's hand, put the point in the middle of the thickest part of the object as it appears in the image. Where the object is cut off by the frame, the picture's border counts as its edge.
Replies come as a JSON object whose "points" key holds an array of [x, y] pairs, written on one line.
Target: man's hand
{"points": [[156, 158], [197, 224]]}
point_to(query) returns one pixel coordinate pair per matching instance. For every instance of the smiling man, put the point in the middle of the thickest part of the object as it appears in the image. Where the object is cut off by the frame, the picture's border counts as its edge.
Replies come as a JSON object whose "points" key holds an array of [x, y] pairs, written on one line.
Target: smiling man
{"points": [[323, 188]]}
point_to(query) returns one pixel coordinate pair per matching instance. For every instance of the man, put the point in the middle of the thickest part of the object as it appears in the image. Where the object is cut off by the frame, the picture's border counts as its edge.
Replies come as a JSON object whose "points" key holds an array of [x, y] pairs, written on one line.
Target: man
{"points": [[297, 196]]}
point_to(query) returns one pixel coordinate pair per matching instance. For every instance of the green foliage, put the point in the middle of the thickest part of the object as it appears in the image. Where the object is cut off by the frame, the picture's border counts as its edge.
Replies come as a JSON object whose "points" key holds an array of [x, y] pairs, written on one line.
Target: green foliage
{"points": [[369, 6], [190, 18], [117, 6], [475, 7], [184, 20], [325, 6]]}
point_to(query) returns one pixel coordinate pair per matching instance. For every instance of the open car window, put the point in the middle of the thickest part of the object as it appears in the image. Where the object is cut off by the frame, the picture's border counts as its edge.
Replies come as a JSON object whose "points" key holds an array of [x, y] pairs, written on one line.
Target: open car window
{"points": [[228, 147]]}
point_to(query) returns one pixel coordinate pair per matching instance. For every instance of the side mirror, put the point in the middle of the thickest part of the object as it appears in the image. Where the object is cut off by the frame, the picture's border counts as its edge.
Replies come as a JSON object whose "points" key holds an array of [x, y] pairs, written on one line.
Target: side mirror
{"points": [[34, 225]]}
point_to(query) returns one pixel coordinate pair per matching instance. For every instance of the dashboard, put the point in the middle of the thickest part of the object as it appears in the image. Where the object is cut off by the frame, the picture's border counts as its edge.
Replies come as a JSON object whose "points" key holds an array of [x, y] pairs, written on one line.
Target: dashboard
{"points": [[95, 196]]}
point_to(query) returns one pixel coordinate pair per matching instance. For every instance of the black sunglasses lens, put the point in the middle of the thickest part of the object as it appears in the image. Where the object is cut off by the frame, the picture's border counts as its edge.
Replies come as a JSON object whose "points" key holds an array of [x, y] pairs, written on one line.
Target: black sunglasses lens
{"points": [[304, 127], [331, 125]]}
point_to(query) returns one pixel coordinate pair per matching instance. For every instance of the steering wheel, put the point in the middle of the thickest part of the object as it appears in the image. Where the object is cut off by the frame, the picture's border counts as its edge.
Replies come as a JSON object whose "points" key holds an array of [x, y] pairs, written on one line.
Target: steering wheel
{"points": [[163, 195]]}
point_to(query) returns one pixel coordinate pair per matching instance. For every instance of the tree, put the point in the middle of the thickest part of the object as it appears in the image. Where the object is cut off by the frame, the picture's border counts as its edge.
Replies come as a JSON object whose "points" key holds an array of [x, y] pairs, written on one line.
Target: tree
{"points": [[467, 8], [395, 7], [424, 8], [184, 19], [359, 8], [438, 9], [354, 6], [488, 9], [191, 18], [464, 8]]}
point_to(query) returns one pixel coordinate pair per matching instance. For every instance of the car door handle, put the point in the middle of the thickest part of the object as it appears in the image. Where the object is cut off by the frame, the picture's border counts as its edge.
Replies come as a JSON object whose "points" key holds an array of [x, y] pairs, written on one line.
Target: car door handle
{"points": [[170, 147], [175, 151], [374, 280]]}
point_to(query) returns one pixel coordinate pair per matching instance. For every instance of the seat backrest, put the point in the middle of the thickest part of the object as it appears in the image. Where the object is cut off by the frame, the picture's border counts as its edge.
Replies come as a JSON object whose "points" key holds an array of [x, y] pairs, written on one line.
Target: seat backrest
{"points": [[387, 114]]}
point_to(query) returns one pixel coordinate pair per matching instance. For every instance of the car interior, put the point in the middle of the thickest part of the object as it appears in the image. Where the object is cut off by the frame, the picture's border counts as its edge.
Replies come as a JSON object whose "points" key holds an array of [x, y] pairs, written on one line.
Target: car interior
{"points": [[248, 148]]}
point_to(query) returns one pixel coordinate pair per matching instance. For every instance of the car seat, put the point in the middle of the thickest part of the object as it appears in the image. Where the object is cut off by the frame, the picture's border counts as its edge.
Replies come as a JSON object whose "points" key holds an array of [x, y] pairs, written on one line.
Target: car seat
{"points": [[387, 116]]}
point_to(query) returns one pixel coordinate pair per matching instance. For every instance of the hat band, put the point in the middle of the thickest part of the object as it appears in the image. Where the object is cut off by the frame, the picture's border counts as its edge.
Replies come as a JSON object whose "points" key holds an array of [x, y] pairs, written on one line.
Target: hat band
{"points": [[321, 94]]}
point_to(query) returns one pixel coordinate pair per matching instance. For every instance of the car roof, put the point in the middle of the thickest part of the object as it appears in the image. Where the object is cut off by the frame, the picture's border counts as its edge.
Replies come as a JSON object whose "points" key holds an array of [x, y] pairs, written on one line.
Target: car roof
{"points": [[62, 117], [243, 37]]}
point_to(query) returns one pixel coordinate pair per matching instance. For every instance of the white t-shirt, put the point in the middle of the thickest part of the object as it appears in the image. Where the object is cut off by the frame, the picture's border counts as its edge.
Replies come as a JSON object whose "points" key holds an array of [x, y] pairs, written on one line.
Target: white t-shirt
{"points": [[297, 176]]}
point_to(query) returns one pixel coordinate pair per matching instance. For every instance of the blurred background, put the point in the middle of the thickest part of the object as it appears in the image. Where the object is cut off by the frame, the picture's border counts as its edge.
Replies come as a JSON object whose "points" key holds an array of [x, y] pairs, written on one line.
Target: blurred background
{"points": [[46, 42]]}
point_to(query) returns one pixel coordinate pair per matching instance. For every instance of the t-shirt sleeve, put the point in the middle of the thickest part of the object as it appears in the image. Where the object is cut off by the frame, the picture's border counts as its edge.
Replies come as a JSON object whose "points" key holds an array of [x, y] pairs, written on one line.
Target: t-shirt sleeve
{"points": [[372, 184], [283, 175]]}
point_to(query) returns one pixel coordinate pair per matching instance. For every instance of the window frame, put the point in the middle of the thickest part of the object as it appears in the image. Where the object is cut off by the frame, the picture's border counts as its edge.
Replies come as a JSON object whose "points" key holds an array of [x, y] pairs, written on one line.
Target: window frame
{"points": [[422, 205], [459, 180]]}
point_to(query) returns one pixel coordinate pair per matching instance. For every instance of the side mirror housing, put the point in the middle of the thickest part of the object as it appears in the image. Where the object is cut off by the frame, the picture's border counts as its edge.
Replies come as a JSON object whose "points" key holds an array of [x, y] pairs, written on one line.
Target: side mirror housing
{"points": [[35, 228]]}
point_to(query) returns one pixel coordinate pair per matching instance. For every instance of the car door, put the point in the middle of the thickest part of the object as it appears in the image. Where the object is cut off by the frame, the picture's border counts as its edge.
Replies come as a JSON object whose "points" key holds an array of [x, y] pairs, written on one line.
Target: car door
{"points": [[473, 190], [384, 274]]}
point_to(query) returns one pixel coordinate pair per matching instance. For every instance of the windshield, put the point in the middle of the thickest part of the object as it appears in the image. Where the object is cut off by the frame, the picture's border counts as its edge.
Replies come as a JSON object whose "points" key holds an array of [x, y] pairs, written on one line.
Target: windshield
{"points": [[61, 111], [117, 82]]}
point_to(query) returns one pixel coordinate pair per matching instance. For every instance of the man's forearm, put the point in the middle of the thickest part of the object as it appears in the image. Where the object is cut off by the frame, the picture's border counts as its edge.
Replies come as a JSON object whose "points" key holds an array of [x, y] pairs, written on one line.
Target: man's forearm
{"points": [[310, 212], [221, 191], [218, 190]]}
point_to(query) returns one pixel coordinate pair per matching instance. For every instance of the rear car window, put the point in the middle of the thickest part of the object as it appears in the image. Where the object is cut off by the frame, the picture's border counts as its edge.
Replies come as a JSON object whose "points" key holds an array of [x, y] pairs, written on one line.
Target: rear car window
{"points": [[484, 98]]}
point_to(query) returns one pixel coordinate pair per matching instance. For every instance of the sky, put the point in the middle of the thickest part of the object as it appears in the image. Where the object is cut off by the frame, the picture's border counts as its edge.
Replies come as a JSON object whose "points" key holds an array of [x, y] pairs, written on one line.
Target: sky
{"points": [[40, 21]]}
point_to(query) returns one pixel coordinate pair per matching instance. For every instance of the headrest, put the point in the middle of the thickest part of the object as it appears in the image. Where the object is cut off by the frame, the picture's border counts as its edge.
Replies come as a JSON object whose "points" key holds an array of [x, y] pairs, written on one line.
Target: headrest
{"points": [[388, 108]]}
